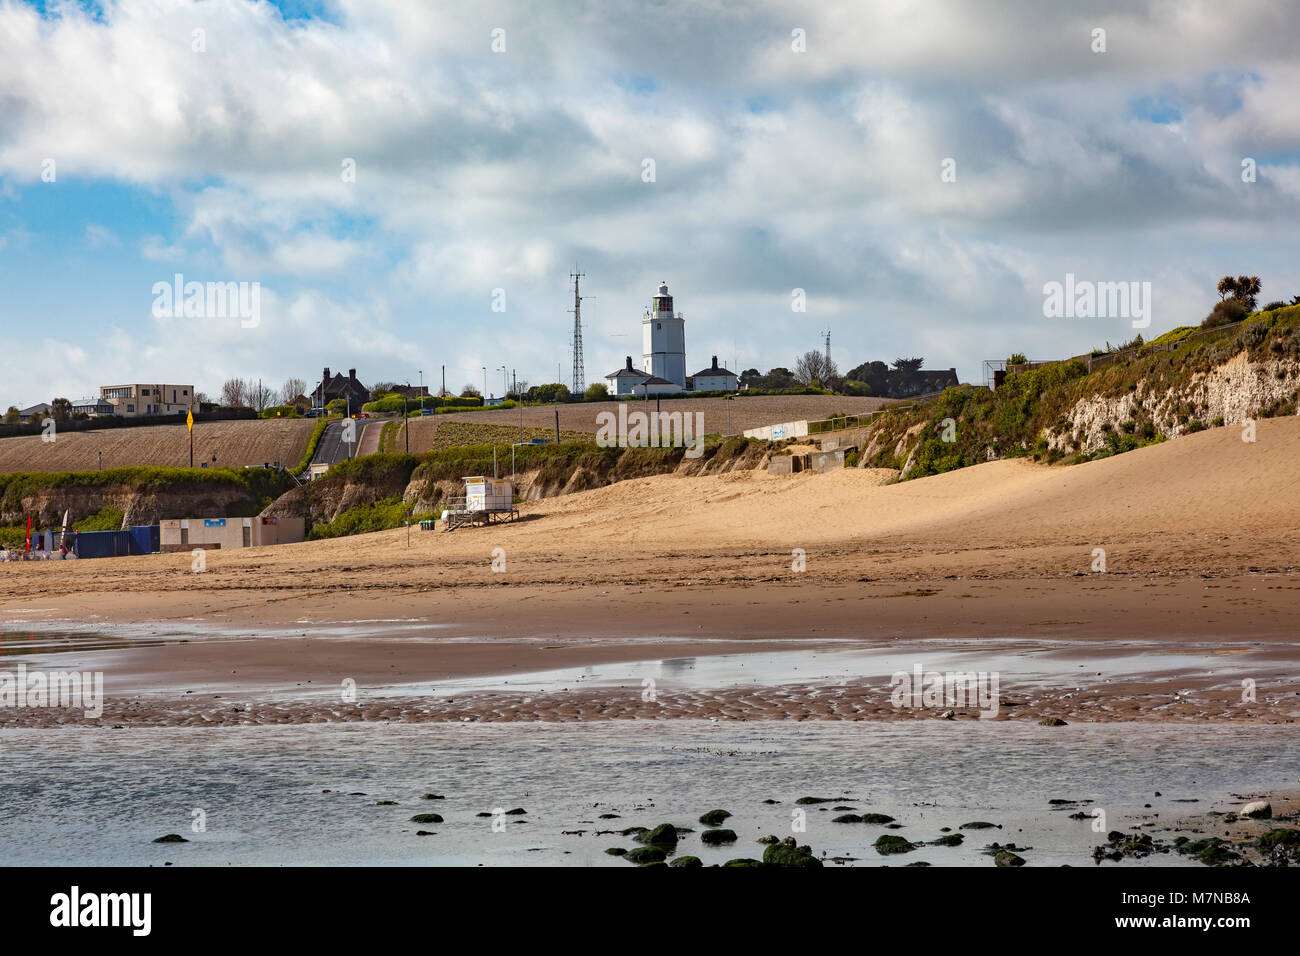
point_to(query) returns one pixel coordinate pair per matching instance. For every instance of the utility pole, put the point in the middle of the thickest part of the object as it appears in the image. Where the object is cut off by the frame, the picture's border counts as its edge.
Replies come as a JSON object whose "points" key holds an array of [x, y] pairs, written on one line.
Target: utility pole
{"points": [[444, 381], [579, 371], [484, 396], [520, 399], [406, 425]]}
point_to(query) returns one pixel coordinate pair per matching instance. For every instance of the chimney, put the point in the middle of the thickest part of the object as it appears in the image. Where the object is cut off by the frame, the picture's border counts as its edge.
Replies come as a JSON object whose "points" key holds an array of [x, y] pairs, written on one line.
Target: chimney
{"points": [[325, 376], [629, 363], [352, 374], [715, 363]]}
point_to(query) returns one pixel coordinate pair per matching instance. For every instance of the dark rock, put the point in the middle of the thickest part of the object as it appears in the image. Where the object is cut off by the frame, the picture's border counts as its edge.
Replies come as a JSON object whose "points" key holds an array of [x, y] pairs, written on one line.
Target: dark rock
{"points": [[1052, 722], [1007, 858], [426, 818], [847, 818], [663, 836], [686, 861], [616, 851], [979, 825], [781, 855], [717, 837], [714, 817], [645, 854], [171, 838], [877, 818], [888, 844], [952, 839]]}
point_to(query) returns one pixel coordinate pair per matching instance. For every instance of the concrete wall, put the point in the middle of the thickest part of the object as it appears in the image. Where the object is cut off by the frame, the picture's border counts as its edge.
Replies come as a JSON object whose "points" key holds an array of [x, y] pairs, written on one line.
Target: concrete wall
{"points": [[778, 432]]}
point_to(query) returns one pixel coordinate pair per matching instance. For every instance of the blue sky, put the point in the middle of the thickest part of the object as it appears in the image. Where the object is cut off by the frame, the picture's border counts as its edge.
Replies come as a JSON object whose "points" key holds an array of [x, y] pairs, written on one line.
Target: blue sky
{"points": [[219, 155]]}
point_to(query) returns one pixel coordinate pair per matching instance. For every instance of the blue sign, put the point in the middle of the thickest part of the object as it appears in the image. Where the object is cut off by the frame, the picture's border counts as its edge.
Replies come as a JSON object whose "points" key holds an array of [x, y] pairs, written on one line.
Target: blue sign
{"points": [[214, 522]]}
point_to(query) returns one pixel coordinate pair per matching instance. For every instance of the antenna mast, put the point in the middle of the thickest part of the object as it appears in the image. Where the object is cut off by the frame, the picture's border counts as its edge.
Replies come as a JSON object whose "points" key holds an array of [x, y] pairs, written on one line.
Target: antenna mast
{"points": [[827, 333], [579, 373]]}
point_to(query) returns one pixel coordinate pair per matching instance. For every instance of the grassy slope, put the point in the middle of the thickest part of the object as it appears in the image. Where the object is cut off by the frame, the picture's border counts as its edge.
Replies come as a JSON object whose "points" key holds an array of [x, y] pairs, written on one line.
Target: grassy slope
{"points": [[1017, 418]]}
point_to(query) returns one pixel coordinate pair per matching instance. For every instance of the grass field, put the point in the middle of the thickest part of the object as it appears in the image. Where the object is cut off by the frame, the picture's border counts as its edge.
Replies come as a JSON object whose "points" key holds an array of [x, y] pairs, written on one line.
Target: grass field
{"points": [[234, 443], [745, 413]]}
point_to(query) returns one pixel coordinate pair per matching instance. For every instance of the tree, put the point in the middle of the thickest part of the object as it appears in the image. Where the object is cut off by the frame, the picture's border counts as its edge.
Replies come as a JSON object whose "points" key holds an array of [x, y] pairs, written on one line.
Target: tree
{"points": [[1243, 288], [61, 409], [1295, 300], [292, 388], [813, 367], [259, 396], [233, 394], [11, 416], [1247, 289], [551, 392], [908, 364], [596, 392], [469, 391]]}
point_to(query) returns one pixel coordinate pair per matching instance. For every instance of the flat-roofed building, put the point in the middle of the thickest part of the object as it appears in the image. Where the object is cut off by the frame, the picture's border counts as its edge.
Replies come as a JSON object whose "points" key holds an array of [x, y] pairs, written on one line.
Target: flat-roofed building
{"points": [[136, 400]]}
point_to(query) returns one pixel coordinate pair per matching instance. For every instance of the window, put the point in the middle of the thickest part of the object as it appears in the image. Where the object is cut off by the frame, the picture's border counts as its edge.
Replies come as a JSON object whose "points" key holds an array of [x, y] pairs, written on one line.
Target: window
{"points": [[130, 408], [185, 536], [248, 536]]}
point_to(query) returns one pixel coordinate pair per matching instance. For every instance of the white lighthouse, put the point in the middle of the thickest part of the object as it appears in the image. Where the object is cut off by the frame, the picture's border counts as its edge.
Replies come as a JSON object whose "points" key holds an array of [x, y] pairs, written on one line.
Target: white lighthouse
{"points": [[663, 339]]}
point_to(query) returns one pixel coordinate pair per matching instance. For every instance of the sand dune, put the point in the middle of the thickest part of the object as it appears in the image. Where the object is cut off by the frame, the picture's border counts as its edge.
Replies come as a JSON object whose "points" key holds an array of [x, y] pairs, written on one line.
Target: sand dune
{"points": [[1200, 535]]}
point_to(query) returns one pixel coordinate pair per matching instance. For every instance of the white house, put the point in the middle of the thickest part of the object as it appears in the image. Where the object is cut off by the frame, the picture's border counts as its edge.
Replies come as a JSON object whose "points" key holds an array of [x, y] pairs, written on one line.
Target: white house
{"points": [[715, 379]]}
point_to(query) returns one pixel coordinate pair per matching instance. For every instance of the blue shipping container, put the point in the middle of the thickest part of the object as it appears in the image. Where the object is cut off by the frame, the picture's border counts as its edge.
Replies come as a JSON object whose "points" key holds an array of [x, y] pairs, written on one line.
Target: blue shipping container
{"points": [[103, 544], [146, 538]]}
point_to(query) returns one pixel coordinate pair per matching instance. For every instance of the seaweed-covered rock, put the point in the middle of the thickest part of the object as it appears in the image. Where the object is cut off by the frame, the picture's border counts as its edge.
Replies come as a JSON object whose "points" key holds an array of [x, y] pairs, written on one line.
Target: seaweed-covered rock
{"points": [[714, 817], [616, 851], [887, 844], [1052, 722], [847, 818], [1278, 837], [171, 838], [1007, 858], [433, 796], [770, 838], [717, 837], [663, 836], [743, 861], [979, 825], [952, 839], [686, 861], [780, 854], [807, 800], [877, 818], [645, 854], [426, 818]]}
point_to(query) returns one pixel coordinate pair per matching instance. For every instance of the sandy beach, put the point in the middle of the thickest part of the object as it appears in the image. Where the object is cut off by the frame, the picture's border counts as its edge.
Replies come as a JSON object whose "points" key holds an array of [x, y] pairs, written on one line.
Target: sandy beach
{"points": [[692, 567]]}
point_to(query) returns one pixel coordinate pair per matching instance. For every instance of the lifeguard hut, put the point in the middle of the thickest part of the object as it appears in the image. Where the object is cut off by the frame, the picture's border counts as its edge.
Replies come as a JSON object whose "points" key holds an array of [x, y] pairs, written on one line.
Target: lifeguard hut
{"points": [[486, 501]]}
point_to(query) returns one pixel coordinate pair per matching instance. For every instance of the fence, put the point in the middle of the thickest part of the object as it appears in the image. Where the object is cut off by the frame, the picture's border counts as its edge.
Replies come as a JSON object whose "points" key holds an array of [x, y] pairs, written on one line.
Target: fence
{"points": [[1107, 358]]}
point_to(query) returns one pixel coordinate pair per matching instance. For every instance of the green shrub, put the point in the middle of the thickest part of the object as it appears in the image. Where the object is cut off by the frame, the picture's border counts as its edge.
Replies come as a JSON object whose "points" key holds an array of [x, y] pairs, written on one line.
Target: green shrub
{"points": [[107, 519]]}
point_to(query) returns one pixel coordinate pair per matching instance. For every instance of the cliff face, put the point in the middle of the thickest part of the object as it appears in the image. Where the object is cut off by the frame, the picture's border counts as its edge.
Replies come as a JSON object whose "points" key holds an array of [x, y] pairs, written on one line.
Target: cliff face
{"points": [[1073, 411], [1228, 394], [140, 505], [325, 499]]}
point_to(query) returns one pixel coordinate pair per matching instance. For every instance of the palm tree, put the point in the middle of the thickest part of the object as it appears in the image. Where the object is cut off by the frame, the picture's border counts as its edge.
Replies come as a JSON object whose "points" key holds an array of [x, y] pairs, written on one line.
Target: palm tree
{"points": [[1247, 289], [1227, 286]]}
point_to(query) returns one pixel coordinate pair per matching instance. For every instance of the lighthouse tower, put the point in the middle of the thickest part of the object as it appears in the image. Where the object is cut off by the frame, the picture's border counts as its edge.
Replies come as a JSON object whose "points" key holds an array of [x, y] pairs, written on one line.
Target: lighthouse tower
{"points": [[663, 338]]}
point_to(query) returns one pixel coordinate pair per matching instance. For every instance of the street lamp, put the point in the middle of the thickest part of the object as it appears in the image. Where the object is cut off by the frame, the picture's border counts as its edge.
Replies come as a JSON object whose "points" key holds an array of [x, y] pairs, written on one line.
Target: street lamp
{"points": [[406, 420]]}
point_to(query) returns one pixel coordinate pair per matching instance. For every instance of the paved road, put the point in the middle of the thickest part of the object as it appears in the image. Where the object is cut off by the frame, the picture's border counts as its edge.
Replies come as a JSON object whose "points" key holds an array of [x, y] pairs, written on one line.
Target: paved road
{"points": [[331, 449]]}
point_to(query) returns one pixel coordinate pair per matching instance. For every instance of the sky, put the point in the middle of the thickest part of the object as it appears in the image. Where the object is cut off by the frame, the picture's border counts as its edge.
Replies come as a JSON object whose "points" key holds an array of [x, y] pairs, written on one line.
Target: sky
{"points": [[409, 183]]}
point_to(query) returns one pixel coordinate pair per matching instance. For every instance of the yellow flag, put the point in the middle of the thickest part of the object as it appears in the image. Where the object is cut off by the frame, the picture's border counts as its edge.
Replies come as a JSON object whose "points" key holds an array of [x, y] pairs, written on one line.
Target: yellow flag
{"points": [[189, 420]]}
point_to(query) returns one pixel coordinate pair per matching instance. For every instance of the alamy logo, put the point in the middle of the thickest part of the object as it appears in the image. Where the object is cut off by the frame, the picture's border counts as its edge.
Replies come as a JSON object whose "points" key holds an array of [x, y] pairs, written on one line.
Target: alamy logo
{"points": [[638, 429], [1098, 300], [73, 689], [954, 689], [75, 908], [209, 300]]}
